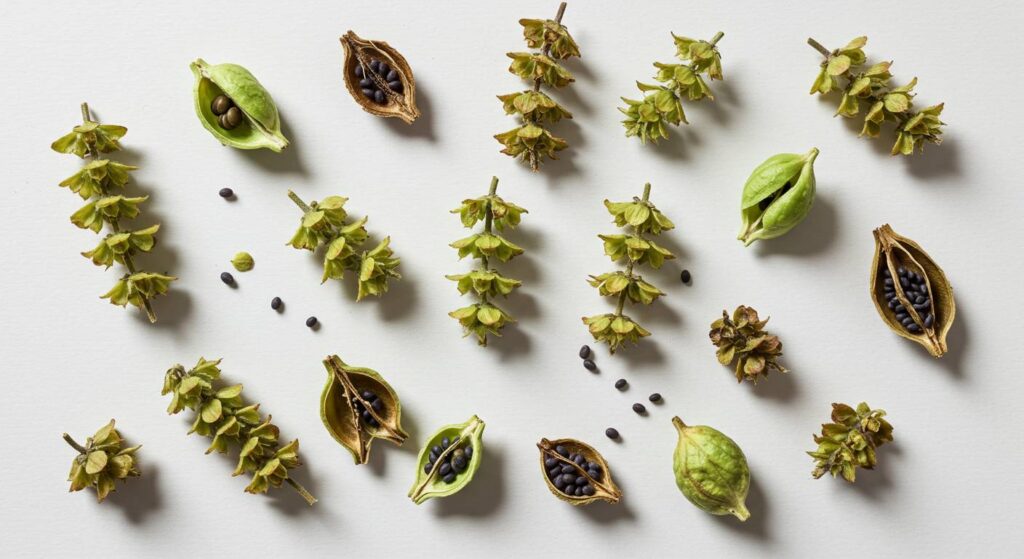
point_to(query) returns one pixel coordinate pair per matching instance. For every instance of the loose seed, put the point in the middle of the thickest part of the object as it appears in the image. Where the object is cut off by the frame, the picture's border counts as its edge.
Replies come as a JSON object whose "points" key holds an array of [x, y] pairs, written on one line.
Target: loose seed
{"points": [[589, 365], [611, 433], [275, 303], [639, 408], [621, 384], [226, 193], [311, 321], [584, 352], [227, 278], [654, 397], [685, 276]]}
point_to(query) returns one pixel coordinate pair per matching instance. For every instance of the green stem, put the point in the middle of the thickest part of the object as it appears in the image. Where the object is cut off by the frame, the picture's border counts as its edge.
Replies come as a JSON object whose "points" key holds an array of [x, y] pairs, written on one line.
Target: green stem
{"points": [[718, 37], [488, 223], [302, 490], [871, 99], [547, 47], [629, 268], [298, 202], [819, 47], [115, 226], [74, 444]]}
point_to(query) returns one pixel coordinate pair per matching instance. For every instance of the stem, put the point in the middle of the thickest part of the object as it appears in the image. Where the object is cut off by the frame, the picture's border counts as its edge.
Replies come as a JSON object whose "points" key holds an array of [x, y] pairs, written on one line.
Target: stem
{"points": [[647, 192], [819, 47], [302, 491], [298, 202], [718, 37], [488, 222], [74, 444], [115, 226], [547, 48], [629, 268]]}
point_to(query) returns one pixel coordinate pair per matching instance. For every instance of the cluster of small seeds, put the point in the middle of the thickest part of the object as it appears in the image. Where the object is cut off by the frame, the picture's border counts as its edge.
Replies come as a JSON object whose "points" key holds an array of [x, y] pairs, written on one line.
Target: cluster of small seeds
{"points": [[916, 291], [369, 87], [228, 115], [375, 402], [588, 363], [453, 463], [569, 478]]}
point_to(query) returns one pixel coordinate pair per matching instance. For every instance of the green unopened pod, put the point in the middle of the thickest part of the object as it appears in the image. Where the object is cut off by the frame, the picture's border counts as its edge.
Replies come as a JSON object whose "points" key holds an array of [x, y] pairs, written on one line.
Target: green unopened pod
{"points": [[233, 105], [711, 470], [449, 460], [777, 196]]}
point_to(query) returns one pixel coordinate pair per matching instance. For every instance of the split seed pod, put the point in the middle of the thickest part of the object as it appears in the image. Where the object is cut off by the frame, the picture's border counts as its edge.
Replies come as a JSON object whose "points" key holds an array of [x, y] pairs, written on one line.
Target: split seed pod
{"points": [[777, 196], [340, 403], [397, 101], [923, 314], [603, 485], [711, 470], [455, 442], [261, 124]]}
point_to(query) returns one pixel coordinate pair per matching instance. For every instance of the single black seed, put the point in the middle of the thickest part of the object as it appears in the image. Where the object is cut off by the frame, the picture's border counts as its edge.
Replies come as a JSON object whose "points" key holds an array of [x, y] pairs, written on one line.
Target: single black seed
{"points": [[914, 329], [375, 65], [446, 468], [311, 321], [589, 365], [886, 273], [392, 76], [887, 282], [593, 466], [907, 321], [555, 471], [373, 422], [588, 490], [469, 452], [436, 450], [593, 473], [550, 462], [900, 308], [654, 397], [366, 82], [226, 193], [378, 96], [445, 442], [367, 417], [359, 71], [901, 271], [459, 463], [568, 469], [900, 316], [559, 483], [685, 276], [611, 433], [426, 467], [383, 69], [432, 458], [227, 278], [395, 86], [579, 460], [562, 451], [581, 480], [621, 384], [579, 491], [639, 408], [584, 352], [904, 282], [275, 303], [377, 404], [929, 320], [893, 302], [368, 92], [448, 478]]}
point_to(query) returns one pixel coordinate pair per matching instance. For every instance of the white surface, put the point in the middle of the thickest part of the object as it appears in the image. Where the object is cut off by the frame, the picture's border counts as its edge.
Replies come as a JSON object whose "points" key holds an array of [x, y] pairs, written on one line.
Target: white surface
{"points": [[950, 485]]}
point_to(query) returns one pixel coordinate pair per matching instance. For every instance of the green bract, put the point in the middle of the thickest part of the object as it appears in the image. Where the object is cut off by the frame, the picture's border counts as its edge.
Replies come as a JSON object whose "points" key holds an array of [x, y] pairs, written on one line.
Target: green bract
{"points": [[711, 470], [261, 127], [429, 481], [777, 196]]}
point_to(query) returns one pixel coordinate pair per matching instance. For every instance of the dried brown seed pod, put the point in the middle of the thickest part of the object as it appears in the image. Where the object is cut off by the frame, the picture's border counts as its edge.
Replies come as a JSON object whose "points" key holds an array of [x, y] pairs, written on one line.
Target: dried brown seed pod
{"points": [[911, 291], [374, 91], [358, 406], [561, 472]]}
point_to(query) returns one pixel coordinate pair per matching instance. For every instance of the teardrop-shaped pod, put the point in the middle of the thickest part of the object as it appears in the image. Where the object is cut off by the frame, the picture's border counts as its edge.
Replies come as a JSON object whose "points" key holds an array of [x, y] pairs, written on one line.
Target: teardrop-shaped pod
{"points": [[357, 406], [448, 461], [379, 78], [233, 105], [576, 473], [910, 291], [711, 470]]}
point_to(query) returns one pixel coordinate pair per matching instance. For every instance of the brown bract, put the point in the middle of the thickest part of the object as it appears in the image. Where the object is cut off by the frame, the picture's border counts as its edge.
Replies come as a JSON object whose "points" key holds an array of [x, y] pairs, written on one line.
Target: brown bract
{"points": [[604, 489], [743, 338], [359, 52], [345, 384]]}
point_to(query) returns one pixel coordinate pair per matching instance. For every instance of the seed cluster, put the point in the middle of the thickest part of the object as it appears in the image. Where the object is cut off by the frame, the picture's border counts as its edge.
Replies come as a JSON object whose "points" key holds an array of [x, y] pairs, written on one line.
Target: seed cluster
{"points": [[453, 463], [369, 86], [588, 359], [228, 115], [375, 402], [568, 477], [915, 289]]}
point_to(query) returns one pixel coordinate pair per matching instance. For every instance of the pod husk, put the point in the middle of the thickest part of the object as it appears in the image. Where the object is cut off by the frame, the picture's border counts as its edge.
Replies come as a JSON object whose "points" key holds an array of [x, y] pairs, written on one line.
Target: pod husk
{"points": [[261, 125], [429, 485], [893, 250], [358, 50], [340, 417], [604, 490]]}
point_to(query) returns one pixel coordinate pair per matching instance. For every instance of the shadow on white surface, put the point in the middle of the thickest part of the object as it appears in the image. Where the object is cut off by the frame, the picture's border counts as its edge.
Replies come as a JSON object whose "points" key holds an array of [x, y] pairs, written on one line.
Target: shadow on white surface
{"points": [[876, 484], [757, 526], [816, 234], [937, 161], [779, 387], [400, 300], [607, 513], [139, 497], [484, 496], [646, 352], [422, 128], [289, 161]]}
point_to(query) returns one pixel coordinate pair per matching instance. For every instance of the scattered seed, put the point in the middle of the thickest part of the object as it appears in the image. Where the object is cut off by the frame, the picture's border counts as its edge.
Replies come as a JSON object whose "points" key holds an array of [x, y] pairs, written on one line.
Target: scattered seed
{"points": [[654, 397], [311, 321], [589, 365], [226, 193], [611, 433], [685, 276], [275, 303], [621, 384], [227, 278], [639, 408], [584, 352]]}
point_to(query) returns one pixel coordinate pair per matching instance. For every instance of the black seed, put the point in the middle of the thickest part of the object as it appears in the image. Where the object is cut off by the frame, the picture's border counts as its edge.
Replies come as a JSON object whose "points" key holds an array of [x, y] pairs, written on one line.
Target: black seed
{"points": [[554, 471], [593, 466], [436, 450], [639, 408], [621, 384], [588, 490], [359, 71], [901, 271], [446, 468], [589, 365], [559, 483], [929, 320], [375, 65], [383, 69], [685, 276], [395, 86], [275, 303], [904, 282], [579, 460], [226, 193], [448, 478], [433, 457], [654, 397], [907, 321], [594, 474], [886, 272], [568, 469], [367, 417], [579, 491], [901, 315], [392, 76], [459, 463], [562, 451], [900, 308], [427, 466], [373, 422], [377, 404], [366, 82], [469, 452], [581, 480], [550, 462], [227, 278], [914, 329], [378, 96], [887, 282], [584, 352], [311, 321], [611, 433], [920, 300], [368, 92], [893, 302], [445, 442], [367, 394]]}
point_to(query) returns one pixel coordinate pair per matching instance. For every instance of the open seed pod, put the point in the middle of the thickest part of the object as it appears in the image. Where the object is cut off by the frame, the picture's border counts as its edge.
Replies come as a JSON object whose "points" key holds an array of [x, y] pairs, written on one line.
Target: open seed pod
{"points": [[910, 291], [590, 473], [448, 461], [257, 126], [387, 93], [358, 406]]}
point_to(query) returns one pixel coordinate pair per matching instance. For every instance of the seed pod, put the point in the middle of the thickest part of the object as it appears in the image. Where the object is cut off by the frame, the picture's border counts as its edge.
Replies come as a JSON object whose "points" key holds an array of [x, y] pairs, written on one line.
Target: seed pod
{"points": [[242, 262], [462, 439], [344, 394], [399, 100], [260, 126], [711, 470], [930, 319], [777, 196], [604, 488]]}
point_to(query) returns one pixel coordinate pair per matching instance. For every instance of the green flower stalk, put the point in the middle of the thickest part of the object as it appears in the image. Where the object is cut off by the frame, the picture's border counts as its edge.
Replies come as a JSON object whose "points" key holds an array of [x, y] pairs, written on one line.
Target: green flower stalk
{"points": [[102, 461], [324, 223], [101, 183], [486, 283], [635, 249], [531, 141], [663, 104], [842, 70], [222, 415]]}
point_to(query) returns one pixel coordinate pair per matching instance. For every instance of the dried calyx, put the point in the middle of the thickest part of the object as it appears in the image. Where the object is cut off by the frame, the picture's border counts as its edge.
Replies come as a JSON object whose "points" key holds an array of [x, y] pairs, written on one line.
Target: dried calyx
{"points": [[379, 78], [576, 473], [910, 291], [101, 461], [743, 339], [449, 460], [849, 442], [357, 406]]}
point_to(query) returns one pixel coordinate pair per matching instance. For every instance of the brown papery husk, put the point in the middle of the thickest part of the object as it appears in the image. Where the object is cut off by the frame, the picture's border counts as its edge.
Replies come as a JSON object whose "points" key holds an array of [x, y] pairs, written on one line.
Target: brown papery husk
{"points": [[340, 417], [604, 490], [892, 251], [401, 105]]}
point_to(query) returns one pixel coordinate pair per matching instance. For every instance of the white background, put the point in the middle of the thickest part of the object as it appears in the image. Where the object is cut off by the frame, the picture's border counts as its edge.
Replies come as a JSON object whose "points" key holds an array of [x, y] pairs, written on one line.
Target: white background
{"points": [[949, 486]]}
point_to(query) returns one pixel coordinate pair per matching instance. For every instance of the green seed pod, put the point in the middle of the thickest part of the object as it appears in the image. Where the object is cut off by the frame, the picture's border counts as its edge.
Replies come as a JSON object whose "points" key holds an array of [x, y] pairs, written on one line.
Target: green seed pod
{"points": [[242, 262], [463, 438], [777, 196], [711, 470], [260, 126]]}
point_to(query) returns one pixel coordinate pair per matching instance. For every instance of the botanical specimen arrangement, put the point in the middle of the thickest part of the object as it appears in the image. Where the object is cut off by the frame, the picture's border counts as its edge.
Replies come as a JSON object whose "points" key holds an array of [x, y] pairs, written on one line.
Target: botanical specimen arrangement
{"points": [[101, 183], [233, 105], [379, 78], [635, 249], [842, 70], [849, 442], [743, 339], [531, 142], [910, 291], [777, 196], [357, 406], [576, 473], [486, 283], [663, 104], [222, 415], [448, 461], [711, 470], [324, 223], [101, 461]]}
